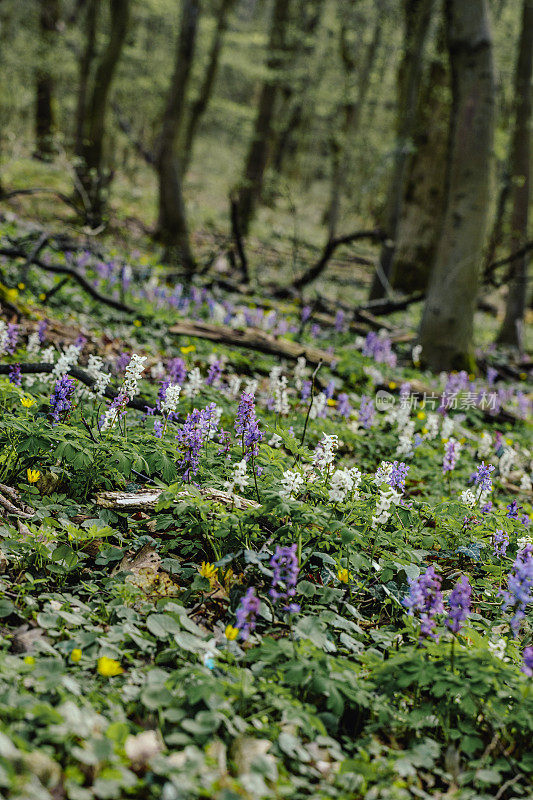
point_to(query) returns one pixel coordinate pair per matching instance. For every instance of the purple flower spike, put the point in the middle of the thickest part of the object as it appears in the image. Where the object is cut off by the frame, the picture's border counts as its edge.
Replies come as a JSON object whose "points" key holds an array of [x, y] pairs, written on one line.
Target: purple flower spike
{"points": [[284, 562], [60, 401], [247, 612], [519, 587], [459, 605], [425, 597]]}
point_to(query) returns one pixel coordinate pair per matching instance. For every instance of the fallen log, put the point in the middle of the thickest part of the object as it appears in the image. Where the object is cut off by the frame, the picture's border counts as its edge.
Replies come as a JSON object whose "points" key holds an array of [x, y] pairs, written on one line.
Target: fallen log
{"points": [[253, 339], [147, 500]]}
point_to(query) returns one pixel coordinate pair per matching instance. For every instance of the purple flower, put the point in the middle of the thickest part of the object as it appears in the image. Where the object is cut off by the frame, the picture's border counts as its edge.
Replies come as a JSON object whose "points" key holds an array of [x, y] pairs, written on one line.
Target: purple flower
{"points": [[378, 346], [459, 603], [214, 373], [60, 400], [12, 337], [366, 412], [247, 426], [501, 543], [492, 374], [284, 562], [306, 313], [191, 436], [425, 597], [451, 454], [247, 612], [519, 586], [41, 330], [339, 321], [15, 376], [122, 362], [177, 370], [329, 391], [81, 341], [527, 667], [482, 477], [343, 405], [513, 509], [305, 393], [398, 474]]}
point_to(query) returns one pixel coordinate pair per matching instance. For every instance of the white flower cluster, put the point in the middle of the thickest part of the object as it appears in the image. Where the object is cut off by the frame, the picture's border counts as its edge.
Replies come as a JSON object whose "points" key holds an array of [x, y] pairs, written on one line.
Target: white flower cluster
{"points": [[291, 484], [507, 460], [343, 482], [34, 344], [239, 477], [485, 445], [194, 383], [109, 420], [386, 498], [299, 372], [250, 385], [157, 372], [382, 473], [172, 395], [416, 352], [66, 360], [446, 428], [281, 399], [134, 370], [234, 386], [95, 369], [3, 336], [319, 403], [324, 454], [405, 440], [432, 426], [214, 422], [275, 440], [525, 483], [468, 498]]}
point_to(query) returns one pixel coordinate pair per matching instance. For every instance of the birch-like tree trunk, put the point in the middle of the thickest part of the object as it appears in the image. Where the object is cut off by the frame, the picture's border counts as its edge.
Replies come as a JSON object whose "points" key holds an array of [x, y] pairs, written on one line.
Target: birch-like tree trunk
{"points": [[446, 331]]}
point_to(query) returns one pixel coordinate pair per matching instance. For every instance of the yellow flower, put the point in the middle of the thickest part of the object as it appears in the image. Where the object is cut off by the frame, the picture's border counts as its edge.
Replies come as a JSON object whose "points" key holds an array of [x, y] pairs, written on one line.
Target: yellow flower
{"points": [[33, 475], [425, 430], [29, 660], [471, 377], [75, 656], [444, 439], [42, 297], [137, 323], [523, 376], [27, 402], [12, 294], [343, 575], [392, 385], [21, 286], [332, 402], [108, 667], [421, 415], [189, 349], [462, 440], [231, 632], [208, 571], [509, 441]]}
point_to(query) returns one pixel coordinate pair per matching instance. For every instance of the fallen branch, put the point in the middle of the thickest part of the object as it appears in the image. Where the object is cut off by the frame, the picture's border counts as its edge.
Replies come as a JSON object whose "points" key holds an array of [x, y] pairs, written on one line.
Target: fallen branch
{"points": [[139, 403], [13, 505], [42, 190], [316, 270], [62, 269], [252, 338], [147, 500]]}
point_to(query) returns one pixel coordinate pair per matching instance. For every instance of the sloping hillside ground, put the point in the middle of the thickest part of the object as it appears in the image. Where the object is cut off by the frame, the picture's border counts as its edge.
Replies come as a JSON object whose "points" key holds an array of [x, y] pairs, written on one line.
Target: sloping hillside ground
{"points": [[308, 573]]}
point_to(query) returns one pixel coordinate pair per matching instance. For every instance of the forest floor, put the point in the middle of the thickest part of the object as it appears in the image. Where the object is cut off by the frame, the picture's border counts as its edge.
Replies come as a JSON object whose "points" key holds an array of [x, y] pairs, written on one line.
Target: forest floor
{"points": [[205, 596]]}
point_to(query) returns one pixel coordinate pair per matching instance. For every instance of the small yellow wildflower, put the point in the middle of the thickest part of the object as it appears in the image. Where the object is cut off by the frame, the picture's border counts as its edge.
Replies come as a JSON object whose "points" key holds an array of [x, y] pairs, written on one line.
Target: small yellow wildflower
{"points": [[12, 294], [75, 656], [523, 376], [27, 402], [231, 633], [137, 323], [509, 441], [332, 402], [462, 440], [108, 667], [29, 660], [33, 475], [42, 297], [21, 286], [425, 430], [471, 377], [421, 415], [343, 575], [208, 571], [444, 440], [392, 385], [189, 349]]}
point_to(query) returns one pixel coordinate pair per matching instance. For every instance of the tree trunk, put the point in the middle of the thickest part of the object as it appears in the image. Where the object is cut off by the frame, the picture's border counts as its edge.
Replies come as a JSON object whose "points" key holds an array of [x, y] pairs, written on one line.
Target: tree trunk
{"points": [[424, 200], [511, 331], [350, 115], [251, 188], [93, 176], [44, 81], [206, 89], [86, 61], [172, 223], [446, 331], [417, 16]]}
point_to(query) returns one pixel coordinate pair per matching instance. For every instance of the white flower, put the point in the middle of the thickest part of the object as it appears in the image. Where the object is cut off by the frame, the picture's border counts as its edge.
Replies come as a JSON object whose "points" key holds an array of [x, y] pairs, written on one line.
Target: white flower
{"points": [[299, 372], [275, 440], [343, 482], [507, 460], [468, 498], [34, 344], [374, 374], [405, 440], [172, 395], [281, 400], [3, 336], [142, 747], [525, 483], [234, 386], [319, 404], [214, 422], [291, 484], [194, 383], [48, 355], [382, 473], [325, 450], [239, 478], [447, 428], [386, 498], [432, 426], [134, 370], [498, 648], [66, 360], [416, 352], [95, 369], [157, 372], [250, 385], [485, 445]]}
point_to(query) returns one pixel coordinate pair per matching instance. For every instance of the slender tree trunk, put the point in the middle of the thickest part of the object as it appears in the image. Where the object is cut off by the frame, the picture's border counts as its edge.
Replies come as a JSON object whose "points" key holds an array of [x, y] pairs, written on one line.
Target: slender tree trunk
{"points": [[446, 331], [172, 223], [206, 89], [520, 169], [94, 178], [44, 81], [350, 116], [424, 200], [417, 16], [86, 61], [251, 187]]}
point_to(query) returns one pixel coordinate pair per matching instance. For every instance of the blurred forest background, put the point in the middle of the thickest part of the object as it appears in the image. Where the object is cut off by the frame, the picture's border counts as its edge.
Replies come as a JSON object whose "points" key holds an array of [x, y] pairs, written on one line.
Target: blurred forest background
{"points": [[381, 144]]}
